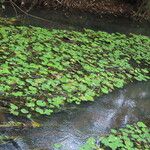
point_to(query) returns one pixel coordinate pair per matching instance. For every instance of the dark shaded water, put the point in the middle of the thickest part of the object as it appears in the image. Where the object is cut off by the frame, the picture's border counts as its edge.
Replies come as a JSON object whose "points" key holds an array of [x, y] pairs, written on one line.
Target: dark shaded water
{"points": [[72, 127], [79, 20]]}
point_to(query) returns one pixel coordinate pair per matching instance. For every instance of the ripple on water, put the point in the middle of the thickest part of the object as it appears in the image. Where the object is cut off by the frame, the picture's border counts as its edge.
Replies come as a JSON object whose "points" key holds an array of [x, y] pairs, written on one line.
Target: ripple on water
{"points": [[71, 129]]}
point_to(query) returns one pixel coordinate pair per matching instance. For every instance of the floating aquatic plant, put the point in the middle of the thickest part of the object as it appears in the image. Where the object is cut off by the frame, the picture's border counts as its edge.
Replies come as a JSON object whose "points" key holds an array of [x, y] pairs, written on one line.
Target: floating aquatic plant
{"points": [[132, 137], [41, 70]]}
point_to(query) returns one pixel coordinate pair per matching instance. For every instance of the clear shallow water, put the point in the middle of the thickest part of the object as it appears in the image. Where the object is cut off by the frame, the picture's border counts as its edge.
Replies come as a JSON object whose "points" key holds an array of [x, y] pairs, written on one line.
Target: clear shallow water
{"points": [[72, 127]]}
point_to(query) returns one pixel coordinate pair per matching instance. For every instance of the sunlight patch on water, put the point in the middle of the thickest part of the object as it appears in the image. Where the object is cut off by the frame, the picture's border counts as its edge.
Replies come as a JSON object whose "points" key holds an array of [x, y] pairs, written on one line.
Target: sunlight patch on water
{"points": [[104, 121], [130, 103], [143, 94]]}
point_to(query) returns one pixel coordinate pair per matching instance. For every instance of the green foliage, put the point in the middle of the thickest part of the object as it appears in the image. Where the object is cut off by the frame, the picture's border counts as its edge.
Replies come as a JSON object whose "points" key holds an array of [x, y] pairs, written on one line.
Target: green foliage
{"points": [[132, 137], [11, 124], [90, 144], [4, 139], [57, 146], [41, 70]]}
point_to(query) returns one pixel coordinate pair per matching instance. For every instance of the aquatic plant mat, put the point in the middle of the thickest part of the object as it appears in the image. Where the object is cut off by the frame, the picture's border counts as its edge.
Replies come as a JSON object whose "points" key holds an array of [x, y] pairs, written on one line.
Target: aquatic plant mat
{"points": [[132, 137], [41, 70]]}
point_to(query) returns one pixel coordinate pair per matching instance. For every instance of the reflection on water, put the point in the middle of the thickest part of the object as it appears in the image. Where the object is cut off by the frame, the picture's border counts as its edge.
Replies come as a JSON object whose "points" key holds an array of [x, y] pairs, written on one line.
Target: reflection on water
{"points": [[79, 20], [71, 128]]}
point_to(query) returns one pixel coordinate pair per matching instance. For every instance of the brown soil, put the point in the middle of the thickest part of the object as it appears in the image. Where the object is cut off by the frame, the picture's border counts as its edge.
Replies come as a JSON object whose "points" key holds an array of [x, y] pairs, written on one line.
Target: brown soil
{"points": [[95, 6]]}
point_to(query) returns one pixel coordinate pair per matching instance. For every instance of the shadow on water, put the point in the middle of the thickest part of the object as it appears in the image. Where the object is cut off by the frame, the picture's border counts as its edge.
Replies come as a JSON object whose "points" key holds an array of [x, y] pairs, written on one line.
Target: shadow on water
{"points": [[72, 127], [75, 20]]}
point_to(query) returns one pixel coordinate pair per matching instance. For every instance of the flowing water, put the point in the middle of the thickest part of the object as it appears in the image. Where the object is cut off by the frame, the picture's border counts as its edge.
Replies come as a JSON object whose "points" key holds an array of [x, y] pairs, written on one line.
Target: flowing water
{"points": [[71, 127]]}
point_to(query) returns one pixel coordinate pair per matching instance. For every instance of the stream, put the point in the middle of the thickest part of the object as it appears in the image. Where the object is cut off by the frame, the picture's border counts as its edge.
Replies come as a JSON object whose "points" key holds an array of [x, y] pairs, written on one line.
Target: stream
{"points": [[71, 127]]}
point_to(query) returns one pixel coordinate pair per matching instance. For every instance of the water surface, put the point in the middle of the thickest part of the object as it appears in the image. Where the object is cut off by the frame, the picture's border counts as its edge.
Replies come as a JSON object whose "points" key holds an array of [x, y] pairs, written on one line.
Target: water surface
{"points": [[75, 20], [72, 127]]}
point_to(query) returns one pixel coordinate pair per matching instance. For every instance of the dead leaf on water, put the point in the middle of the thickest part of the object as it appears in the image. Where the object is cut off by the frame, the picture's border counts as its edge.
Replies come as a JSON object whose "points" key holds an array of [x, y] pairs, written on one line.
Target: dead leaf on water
{"points": [[35, 124]]}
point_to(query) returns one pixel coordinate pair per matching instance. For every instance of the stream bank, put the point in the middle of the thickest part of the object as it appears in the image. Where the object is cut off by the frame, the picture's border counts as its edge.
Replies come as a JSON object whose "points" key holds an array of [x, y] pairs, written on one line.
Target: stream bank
{"points": [[101, 7], [73, 20]]}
